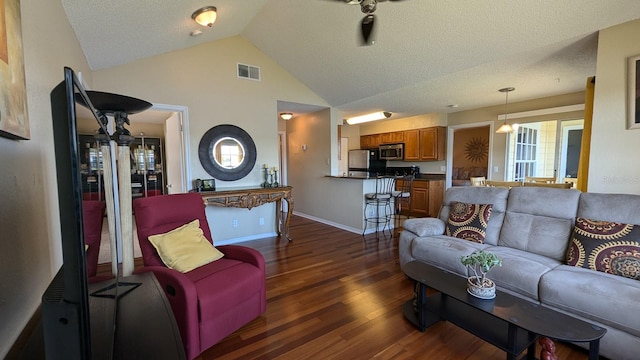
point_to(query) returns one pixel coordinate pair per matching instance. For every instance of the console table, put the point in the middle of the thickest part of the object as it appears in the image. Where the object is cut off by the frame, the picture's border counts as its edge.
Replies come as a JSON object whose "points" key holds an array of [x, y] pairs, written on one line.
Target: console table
{"points": [[251, 197]]}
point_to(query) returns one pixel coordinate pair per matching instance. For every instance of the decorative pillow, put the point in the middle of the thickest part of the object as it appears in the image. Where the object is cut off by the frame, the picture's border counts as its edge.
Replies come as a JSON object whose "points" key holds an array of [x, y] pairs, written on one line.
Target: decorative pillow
{"points": [[610, 247], [468, 221], [185, 248]]}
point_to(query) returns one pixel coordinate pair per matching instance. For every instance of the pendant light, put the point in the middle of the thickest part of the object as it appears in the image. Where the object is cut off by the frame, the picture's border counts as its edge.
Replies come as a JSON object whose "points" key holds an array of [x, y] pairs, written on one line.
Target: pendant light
{"points": [[505, 128]]}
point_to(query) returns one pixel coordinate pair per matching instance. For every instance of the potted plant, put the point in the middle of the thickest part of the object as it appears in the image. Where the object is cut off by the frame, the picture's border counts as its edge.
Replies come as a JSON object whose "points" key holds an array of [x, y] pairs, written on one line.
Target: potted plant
{"points": [[480, 262]]}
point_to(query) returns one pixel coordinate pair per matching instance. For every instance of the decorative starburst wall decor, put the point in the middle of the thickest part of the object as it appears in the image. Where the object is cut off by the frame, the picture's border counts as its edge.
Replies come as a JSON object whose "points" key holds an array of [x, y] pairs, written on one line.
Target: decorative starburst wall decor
{"points": [[477, 149]]}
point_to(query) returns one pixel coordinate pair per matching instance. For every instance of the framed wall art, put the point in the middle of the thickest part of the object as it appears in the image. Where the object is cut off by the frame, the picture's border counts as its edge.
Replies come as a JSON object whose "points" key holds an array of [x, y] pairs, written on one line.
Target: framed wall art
{"points": [[633, 92], [14, 122]]}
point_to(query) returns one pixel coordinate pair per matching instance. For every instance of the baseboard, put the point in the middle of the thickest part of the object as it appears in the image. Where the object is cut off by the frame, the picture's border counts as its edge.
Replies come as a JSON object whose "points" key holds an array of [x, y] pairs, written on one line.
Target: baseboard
{"points": [[30, 342], [243, 239], [339, 226]]}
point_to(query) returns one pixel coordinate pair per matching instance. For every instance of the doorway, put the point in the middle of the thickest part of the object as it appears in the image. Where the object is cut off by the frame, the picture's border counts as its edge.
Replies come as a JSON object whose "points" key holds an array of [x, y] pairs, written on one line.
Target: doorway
{"points": [[468, 152], [175, 119]]}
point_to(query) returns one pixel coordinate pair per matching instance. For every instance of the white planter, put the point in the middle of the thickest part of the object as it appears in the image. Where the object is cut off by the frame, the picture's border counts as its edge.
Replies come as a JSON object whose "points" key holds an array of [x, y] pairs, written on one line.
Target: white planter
{"points": [[486, 291]]}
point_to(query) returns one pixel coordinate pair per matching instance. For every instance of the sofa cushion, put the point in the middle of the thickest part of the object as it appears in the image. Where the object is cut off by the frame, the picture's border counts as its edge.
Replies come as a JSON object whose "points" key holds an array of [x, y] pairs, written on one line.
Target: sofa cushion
{"points": [[444, 252], [624, 208], [497, 197], [605, 298], [185, 248], [468, 221], [540, 220], [424, 226], [606, 246], [520, 271]]}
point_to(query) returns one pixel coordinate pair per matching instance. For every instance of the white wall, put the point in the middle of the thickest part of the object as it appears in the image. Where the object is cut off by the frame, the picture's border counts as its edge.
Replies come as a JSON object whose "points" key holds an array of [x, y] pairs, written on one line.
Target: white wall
{"points": [[316, 196], [30, 247], [203, 78], [614, 166]]}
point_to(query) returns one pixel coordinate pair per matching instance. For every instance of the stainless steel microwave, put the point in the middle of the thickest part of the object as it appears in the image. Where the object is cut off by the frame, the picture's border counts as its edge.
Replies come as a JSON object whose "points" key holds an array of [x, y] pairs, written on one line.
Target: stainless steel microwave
{"points": [[392, 152]]}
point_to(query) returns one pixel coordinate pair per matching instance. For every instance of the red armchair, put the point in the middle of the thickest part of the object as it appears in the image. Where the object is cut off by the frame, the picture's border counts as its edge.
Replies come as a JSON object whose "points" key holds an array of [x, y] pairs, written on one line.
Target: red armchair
{"points": [[214, 300], [92, 218]]}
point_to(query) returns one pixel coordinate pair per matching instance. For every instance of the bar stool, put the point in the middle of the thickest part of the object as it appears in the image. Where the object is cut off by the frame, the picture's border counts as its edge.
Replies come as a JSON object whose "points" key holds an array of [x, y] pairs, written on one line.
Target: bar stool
{"points": [[381, 198], [402, 198]]}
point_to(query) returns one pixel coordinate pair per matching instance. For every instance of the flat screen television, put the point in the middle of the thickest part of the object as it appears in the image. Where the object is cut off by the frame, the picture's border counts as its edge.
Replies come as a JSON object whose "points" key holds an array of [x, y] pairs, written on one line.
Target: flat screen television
{"points": [[68, 332]]}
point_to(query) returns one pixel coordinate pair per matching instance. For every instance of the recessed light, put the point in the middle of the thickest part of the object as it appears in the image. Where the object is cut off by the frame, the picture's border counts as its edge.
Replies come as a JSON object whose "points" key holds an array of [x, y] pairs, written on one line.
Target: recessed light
{"points": [[453, 106], [195, 33]]}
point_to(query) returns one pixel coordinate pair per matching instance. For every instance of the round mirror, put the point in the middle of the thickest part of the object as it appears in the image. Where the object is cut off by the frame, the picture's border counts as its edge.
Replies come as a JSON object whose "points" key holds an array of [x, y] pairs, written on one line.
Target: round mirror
{"points": [[227, 152]]}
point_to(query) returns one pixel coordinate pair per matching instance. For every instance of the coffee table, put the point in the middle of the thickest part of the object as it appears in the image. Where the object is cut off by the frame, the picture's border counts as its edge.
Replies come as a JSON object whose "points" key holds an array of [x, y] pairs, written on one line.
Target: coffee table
{"points": [[510, 323]]}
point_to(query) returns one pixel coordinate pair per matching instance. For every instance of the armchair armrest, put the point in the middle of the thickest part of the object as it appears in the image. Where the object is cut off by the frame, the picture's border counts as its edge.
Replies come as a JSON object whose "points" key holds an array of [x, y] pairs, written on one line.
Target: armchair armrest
{"points": [[424, 226], [183, 298], [244, 254]]}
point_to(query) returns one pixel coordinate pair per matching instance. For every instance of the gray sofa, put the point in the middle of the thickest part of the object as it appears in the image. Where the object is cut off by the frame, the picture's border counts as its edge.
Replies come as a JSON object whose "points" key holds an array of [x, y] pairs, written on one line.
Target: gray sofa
{"points": [[530, 229]]}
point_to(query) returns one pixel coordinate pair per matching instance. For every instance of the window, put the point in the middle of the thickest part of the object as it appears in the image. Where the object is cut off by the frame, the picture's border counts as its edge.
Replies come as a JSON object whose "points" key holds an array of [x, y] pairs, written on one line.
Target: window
{"points": [[526, 150], [544, 149]]}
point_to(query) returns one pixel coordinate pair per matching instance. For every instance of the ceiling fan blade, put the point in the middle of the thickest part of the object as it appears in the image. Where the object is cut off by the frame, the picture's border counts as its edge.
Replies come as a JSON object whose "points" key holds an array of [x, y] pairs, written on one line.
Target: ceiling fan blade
{"points": [[367, 26]]}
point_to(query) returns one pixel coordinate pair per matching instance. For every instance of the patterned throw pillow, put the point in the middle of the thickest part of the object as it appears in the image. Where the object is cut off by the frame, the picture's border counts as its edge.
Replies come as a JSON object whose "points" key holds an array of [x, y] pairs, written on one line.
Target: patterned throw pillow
{"points": [[610, 247], [468, 221]]}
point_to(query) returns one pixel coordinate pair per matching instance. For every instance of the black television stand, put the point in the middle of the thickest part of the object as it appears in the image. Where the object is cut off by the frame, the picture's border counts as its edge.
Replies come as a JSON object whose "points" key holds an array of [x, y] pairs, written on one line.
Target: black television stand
{"points": [[145, 326]]}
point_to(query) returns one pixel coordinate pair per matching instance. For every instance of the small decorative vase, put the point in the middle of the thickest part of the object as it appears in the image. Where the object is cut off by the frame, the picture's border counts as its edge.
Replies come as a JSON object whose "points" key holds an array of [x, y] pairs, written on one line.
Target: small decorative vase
{"points": [[482, 291]]}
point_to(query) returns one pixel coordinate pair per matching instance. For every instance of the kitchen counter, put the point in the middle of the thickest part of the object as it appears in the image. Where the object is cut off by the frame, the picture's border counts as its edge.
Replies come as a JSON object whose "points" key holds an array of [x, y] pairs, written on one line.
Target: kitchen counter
{"points": [[419, 177], [429, 176], [349, 177]]}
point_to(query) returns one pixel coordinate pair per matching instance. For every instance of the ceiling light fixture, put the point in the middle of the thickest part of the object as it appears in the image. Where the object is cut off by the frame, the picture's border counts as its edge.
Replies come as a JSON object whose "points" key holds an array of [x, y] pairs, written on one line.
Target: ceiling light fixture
{"points": [[368, 117], [505, 128], [286, 116], [205, 16]]}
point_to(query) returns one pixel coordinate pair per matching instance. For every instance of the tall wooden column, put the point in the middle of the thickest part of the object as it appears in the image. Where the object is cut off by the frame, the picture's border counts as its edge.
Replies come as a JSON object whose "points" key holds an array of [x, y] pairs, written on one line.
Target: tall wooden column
{"points": [[109, 186], [118, 189], [124, 139]]}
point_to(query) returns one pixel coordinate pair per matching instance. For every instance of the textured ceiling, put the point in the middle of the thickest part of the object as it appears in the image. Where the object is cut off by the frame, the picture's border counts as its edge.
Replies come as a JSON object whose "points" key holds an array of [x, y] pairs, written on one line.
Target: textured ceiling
{"points": [[428, 53]]}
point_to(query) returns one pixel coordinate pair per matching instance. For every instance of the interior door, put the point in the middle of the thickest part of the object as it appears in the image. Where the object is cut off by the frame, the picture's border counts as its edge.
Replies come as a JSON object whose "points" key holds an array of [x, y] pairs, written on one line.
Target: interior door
{"points": [[174, 154]]}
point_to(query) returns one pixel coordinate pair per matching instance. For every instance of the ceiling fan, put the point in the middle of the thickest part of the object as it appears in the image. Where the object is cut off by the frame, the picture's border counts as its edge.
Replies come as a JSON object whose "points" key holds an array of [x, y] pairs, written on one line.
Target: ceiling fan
{"points": [[367, 25]]}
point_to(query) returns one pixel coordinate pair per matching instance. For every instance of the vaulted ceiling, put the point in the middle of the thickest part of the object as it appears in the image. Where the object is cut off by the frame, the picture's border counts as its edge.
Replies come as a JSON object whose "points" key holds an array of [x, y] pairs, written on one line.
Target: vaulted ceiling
{"points": [[428, 53]]}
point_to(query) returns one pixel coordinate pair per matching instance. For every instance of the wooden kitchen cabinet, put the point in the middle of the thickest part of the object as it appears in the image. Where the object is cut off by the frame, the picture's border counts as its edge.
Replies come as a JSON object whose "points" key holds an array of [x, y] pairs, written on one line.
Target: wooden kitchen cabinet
{"points": [[436, 197], [412, 145], [420, 199], [432, 143], [392, 137], [374, 140], [427, 144], [370, 141], [426, 197]]}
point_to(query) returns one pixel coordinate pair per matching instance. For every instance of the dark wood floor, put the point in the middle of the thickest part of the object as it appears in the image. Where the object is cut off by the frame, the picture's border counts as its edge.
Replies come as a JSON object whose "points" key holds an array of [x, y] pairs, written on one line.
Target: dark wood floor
{"points": [[332, 294]]}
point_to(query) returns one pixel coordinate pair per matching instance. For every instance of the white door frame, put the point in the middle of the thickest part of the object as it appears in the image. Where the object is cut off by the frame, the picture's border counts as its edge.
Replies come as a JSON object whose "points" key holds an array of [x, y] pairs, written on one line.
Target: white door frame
{"points": [[450, 131], [282, 159], [563, 153], [184, 114]]}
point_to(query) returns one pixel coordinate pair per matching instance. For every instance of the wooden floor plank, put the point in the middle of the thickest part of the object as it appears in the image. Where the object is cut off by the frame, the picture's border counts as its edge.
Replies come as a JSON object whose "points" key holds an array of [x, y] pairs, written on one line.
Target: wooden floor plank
{"points": [[332, 294]]}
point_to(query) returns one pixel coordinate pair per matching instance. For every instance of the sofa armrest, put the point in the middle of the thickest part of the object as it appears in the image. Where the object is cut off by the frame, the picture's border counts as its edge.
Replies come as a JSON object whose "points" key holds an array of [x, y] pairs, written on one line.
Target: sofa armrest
{"points": [[244, 254], [424, 226], [183, 298]]}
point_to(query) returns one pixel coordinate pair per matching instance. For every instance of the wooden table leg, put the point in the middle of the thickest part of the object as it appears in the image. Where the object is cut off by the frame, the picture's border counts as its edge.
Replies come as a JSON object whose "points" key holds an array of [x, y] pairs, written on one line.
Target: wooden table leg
{"points": [[279, 225], [288, 219]]}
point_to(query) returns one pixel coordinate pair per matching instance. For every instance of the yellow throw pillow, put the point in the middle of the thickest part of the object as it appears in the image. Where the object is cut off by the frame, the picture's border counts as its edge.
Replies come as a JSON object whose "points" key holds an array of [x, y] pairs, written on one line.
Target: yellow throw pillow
{"points": [[185, 248]]}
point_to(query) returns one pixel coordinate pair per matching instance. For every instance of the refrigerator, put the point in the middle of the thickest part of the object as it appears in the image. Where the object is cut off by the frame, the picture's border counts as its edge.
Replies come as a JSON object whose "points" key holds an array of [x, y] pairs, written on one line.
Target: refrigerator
{"points": [[365, 163]]}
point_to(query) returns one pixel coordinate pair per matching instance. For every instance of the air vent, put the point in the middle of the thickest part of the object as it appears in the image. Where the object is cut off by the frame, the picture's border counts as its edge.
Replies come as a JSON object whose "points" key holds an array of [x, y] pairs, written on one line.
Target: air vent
{"points": [[249, 72]]}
